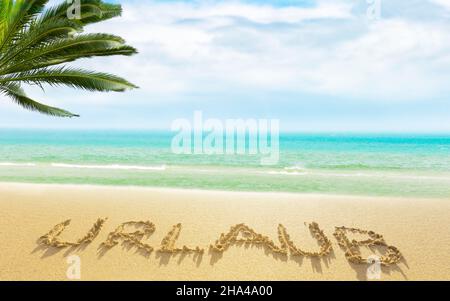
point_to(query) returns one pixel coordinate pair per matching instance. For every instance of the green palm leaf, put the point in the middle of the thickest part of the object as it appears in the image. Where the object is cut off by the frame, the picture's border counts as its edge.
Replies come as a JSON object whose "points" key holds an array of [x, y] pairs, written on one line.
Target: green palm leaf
{"points": [[33, 39], [75, 78], [67, 50], [92, 11], [16, 16], [16, 93]]}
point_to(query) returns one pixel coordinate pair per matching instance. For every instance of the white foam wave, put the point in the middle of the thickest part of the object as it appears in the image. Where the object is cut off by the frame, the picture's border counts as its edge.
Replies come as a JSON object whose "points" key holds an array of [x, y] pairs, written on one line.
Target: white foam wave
{"points": [[287, 173], [17, 164], [294, 168], [113, 167]]}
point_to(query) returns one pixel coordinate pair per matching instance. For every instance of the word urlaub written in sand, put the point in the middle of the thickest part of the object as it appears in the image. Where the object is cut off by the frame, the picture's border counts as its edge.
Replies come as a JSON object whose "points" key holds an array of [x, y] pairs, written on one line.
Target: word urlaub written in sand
{"points": [[237, 235]]}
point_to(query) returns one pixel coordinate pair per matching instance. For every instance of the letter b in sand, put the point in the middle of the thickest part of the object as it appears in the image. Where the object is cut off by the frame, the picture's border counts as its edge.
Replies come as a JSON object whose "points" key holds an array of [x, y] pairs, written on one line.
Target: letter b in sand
{"points": [[74, 270]]}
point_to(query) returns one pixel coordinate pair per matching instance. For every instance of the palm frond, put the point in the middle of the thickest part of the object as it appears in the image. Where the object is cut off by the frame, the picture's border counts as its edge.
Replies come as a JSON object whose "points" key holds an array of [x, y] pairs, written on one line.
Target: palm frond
{"points": [[17, 15], [15, 92], [92, 11], [75, 78], [37, 36], [67, 50], [34, 40]]}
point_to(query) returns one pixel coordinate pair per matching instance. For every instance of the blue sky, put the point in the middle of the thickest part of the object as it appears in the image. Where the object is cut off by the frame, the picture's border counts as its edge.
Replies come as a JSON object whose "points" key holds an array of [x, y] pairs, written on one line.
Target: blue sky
{"points": [[317, 65]]}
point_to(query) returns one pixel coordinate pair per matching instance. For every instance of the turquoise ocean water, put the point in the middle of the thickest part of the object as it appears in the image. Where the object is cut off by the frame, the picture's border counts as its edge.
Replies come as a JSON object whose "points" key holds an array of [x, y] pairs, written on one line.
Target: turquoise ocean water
{"points": [[357, 164]]}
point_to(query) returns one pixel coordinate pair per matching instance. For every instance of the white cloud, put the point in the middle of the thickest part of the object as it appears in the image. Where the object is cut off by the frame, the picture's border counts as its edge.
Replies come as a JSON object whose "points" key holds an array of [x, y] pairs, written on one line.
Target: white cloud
{"points": [[443, 3], [265, 14], [209, 47]]}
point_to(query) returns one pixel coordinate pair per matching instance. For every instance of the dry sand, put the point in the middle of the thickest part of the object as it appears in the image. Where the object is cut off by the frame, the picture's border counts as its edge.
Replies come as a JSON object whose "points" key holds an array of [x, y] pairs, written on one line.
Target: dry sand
{"points": [[419, 228]]}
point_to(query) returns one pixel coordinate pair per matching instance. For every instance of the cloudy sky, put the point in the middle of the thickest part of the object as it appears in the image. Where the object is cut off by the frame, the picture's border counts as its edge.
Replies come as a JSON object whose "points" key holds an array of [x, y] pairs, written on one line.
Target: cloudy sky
{"points": [[316, 65]]}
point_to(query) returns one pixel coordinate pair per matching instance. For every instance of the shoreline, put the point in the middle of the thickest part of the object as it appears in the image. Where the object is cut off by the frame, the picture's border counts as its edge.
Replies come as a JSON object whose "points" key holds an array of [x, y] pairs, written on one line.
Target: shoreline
{"points": [[201, 190], [417, 227]]}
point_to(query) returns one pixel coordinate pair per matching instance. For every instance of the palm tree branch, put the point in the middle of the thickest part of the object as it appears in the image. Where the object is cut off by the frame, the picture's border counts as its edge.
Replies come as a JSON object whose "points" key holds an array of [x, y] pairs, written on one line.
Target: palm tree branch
{"points": [[92, 11], [124, 50], [19, 14], [77, 78], [37, 36], [15, 92], [33, 39], [82, 44]]}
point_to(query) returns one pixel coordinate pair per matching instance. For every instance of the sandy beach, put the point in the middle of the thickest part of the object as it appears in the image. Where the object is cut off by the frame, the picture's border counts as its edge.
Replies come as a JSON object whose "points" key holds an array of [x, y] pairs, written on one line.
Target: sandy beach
{"points": [[172, 218]]}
